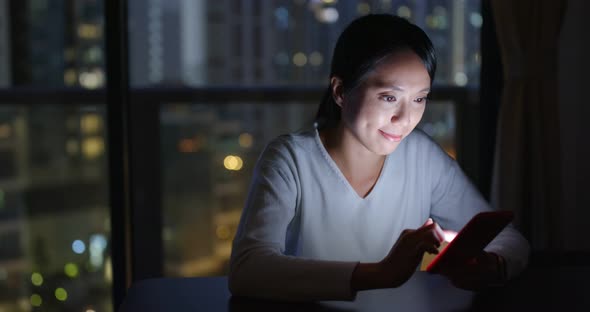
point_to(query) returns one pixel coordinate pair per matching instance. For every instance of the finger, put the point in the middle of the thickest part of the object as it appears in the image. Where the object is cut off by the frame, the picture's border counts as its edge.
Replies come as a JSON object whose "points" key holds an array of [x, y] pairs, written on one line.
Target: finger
{"points": [[428, 222], [428, 247], [440, 235], [430, 234]]}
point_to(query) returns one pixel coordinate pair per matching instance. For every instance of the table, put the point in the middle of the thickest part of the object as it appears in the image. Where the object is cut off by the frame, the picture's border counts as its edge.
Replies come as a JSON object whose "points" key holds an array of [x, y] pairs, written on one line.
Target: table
{"points": [[537, 289]]}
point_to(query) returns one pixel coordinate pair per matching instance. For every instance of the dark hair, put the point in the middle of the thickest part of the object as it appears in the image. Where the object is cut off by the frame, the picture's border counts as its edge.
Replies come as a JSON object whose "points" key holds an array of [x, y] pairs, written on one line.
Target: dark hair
{"points": [[361, 46]]}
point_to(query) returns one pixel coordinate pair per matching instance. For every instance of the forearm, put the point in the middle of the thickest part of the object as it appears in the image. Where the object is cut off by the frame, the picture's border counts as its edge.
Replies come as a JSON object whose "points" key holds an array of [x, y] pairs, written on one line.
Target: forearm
{"points": [[265, 273], [369, 276], [513, 248]]}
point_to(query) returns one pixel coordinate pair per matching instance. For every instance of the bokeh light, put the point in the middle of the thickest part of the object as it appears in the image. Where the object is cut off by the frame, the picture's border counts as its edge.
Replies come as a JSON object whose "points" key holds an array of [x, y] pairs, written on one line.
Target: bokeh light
{"points": [[37, 279], [36, 300], [78, 246], [245, 140], [61, 294], [232, 162], [299, 59], [71, 270]]}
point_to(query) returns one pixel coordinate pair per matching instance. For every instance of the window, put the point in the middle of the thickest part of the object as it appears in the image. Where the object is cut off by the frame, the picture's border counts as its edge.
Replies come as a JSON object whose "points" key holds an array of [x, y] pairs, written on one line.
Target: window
{"points": [[225, 78], [262, 69], [54, 204]]}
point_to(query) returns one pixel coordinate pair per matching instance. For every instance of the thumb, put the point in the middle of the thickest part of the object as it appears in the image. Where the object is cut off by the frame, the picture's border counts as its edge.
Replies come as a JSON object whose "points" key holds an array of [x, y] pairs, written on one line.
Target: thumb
{"points": [[428, 222]]}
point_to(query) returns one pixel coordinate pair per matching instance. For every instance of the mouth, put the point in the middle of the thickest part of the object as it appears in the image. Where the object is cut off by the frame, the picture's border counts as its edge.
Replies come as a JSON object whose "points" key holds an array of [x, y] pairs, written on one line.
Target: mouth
{"points": [[391, 137]]}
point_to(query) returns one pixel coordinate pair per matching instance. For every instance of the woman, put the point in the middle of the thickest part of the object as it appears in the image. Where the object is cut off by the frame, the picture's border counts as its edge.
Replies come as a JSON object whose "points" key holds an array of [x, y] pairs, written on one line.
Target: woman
{"points": [[348, 205]]}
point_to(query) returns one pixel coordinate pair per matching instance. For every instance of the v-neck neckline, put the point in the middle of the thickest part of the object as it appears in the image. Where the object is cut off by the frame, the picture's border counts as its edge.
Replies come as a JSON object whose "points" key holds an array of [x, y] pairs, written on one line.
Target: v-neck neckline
{"points": [[332, 164]]}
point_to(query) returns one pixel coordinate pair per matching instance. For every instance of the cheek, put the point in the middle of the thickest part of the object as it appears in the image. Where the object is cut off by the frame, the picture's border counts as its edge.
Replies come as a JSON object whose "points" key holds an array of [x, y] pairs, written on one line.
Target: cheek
{"points": [[417, 115], [373, 115], [356, 110]]}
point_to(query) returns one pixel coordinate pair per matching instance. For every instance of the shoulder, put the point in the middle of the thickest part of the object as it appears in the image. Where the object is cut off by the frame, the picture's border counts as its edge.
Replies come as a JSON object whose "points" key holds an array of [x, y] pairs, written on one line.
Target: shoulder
{"points": [[419, 141], [421, 151], [288, 148]]}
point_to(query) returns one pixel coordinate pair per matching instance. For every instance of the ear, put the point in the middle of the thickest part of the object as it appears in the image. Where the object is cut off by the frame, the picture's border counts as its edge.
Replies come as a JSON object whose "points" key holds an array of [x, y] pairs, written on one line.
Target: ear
{"points": [[337, 94]]}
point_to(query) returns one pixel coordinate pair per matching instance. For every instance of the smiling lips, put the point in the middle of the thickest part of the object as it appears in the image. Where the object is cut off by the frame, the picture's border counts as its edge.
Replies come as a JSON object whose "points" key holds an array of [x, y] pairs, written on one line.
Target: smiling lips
{"points": [[391, 137]]}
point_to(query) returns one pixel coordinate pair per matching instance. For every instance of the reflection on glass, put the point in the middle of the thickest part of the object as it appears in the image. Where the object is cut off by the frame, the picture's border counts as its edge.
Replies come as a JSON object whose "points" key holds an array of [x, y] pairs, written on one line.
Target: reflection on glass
{"points": [[54, 215], [209, 153]]}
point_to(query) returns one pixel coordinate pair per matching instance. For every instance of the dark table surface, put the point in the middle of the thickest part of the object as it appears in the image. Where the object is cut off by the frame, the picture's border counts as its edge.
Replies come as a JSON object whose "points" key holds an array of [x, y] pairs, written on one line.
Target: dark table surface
{"points": [[537, 289]]}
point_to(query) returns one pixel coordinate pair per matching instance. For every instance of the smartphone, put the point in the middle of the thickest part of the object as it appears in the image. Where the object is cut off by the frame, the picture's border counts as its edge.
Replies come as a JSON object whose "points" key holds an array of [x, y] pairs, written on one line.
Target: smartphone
{"points": [[471, 240]]}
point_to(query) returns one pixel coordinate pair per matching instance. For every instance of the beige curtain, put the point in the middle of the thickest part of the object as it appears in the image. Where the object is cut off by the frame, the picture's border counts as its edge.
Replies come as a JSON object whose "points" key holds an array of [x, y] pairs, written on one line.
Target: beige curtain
{"points": [[527, 163]]}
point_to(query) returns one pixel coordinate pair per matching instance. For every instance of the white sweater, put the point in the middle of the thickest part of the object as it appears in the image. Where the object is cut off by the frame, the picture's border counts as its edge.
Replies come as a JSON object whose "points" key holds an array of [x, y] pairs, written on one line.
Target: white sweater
{"points": [[304, 228]]}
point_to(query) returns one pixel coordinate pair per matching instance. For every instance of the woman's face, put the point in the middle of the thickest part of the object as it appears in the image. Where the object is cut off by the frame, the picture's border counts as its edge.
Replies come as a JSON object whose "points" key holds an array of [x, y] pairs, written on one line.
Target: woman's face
{"points": [[389, 103]]}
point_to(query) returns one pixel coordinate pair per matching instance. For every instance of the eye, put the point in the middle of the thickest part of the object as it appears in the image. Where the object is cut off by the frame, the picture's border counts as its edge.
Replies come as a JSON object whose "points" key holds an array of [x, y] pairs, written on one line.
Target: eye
{"points": [[388, 98], [421, 100]]}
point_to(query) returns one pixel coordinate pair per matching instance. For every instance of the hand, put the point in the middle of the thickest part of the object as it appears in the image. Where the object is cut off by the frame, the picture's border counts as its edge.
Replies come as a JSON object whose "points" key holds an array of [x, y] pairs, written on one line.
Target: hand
{"points": [[483, 271], [403, 258]]}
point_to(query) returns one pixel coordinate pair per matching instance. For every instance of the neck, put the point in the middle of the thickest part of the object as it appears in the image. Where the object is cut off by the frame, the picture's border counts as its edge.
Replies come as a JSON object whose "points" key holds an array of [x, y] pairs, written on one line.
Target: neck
{"points": [[353, 158]]}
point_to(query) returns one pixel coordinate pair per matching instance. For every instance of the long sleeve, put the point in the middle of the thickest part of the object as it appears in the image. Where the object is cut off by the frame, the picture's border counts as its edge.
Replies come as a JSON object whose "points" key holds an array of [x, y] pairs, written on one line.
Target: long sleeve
{"points": [[259, 266], [455, 201]]}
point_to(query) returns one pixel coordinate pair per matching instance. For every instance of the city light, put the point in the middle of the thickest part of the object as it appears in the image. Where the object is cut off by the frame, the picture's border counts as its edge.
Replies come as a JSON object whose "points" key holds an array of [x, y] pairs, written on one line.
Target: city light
{"points": [[245, 140], [439, 18], [222, 232], [436, 22], [89, 31], [93, 147], [363, 8], [78, 246], [69, 54], [460, 79], [71, 270], [5, 131], [282, 16], [440, 129], [282, 58], [189, 145], [476, 19], [37, 279], [327, 15], [108, 270], [24, 303], [90, 123], [92, 79], [316, 58], [70, 77], [405, 12], [98, 243], [232, 162], [93, 54], [299, 59], [61, 294], [72, 147], [36, 300]]}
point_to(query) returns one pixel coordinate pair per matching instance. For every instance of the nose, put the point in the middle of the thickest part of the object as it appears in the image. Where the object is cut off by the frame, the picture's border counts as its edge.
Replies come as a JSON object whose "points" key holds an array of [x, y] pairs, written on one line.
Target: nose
{"points": [[400, 115]]}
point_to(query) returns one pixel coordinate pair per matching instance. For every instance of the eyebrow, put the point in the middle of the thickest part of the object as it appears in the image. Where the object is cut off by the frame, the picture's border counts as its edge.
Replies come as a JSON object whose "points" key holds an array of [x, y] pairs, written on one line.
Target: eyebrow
{"points": [[397, 88]]}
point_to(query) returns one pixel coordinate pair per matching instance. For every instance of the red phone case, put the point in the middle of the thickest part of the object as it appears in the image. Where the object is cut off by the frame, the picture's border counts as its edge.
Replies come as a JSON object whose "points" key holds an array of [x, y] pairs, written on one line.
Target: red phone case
{"points": [[472, 239]]}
